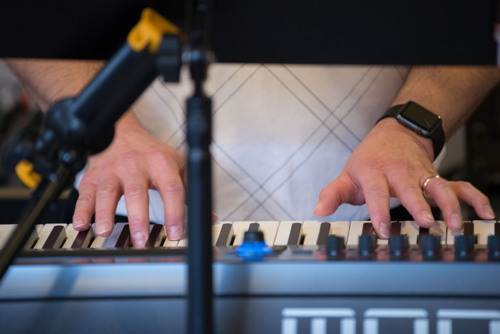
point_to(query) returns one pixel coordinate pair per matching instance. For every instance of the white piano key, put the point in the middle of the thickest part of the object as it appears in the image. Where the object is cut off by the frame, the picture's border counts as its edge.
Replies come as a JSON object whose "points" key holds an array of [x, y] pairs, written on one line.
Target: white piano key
{"points": [[340, 228], [270, 229], [411, 229], [216, 227], [182, 242], [439, 228], [5, 232], [450, 235], [483, 229], [310, 229], [225, 235], [98, 241], [44, 233], [355, 230], [239, 228], [283, 232]]}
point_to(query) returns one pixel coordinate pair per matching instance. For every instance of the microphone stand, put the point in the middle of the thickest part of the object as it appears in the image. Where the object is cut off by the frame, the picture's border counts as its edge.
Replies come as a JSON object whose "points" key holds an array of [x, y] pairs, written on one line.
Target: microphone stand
{"points": [[199, 190]]}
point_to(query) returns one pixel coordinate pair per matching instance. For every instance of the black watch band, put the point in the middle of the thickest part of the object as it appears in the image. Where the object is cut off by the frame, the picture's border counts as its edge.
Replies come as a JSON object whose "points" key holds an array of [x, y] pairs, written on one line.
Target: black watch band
{"points": [[422, 121]]}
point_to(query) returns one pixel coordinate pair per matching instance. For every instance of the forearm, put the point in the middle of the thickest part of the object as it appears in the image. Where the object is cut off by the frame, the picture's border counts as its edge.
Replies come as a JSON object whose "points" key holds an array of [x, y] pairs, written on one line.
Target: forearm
{"points": [[452, 92], [48, 81]]}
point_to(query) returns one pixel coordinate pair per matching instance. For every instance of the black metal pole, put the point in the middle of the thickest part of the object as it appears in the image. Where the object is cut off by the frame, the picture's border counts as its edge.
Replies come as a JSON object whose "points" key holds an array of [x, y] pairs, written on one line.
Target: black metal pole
{"points": [[199, 191]]}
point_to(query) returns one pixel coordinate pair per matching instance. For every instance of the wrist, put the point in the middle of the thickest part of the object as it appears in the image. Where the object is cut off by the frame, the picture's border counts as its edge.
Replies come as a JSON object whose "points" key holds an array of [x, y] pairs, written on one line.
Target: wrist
{"points": [[421, 121], [391, 125]]}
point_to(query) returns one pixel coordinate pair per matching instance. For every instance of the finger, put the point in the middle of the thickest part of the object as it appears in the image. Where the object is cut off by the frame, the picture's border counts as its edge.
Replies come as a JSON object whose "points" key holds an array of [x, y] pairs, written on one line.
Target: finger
{"points": [[107, 196], [172, 191], [441, 192], [475, 198], [84, 207], [333, 195], [137, 202], [377, 196], [411, 197]]}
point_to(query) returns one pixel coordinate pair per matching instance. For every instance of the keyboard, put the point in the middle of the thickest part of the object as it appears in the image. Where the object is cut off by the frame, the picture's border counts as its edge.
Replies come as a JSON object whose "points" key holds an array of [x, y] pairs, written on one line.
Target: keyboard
{"points": [[321, 277]]}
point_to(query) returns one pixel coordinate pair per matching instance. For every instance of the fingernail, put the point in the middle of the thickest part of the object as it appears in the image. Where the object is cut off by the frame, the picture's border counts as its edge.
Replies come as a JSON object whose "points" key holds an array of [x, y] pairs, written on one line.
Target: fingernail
{"points": [[456, 221], [385, 231], [101, 230], [488, 211], [77, 223], [428, 217], [140, 239], [174, 232]]}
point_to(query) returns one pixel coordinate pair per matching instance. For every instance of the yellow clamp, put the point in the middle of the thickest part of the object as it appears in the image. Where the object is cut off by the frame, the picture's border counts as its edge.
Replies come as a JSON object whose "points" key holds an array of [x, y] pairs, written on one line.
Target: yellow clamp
{"points": [[150, 31], [27, 175]]}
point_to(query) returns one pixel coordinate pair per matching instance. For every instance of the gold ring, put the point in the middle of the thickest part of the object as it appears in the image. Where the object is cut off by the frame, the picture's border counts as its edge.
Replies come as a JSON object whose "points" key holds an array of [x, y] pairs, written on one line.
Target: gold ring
{"points": [[426, 181]]}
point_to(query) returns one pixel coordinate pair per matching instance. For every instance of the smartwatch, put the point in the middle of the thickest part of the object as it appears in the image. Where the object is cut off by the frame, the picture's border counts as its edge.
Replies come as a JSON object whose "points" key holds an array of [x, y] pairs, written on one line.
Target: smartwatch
{"points": [[420, 120]]}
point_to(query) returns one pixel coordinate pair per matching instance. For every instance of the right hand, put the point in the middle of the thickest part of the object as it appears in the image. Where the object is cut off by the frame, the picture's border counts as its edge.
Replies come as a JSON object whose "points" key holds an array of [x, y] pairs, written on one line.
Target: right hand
{"points": [[134, 162]]}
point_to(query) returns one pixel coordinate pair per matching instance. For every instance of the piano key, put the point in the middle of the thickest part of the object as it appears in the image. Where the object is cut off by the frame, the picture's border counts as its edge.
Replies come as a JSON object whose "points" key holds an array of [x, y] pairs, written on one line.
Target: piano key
{"points": [[240, 227], [77, 239], [183, 242], [82, 239], [270, 229], [44, 234], [355, 231], [56, 238], [395, 228], [99, 241], [324, 232], [124, 240], [225, 235], [311, 230], [467, 228], [484, 228], [156, 235], [439, 228], [411, 229], [115, 235], [289, 233], [5, 232]]}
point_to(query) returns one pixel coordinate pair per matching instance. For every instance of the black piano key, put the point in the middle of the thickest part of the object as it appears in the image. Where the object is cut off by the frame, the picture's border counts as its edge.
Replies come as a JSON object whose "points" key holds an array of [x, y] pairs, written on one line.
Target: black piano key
{"points": [[294, 236], [367, 229], [225, 232], [254, 227], [324, 231], [82, 239], [154, 235], [396, 228], [497, 228], [468, 228], [124, 238], [56, 238], [421, 232]]}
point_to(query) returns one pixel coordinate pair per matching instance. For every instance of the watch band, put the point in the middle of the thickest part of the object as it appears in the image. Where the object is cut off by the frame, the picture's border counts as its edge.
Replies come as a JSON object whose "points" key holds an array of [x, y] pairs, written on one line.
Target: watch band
{"points": [[436, 135]]}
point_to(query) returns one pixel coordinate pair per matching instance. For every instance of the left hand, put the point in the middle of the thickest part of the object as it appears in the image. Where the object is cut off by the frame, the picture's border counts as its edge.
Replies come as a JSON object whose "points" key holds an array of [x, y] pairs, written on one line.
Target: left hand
{"points": [[393, 161]]}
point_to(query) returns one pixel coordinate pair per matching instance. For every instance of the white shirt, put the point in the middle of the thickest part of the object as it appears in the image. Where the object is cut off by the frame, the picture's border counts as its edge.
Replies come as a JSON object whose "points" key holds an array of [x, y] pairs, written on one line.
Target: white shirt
{"points": [[280, 132]]}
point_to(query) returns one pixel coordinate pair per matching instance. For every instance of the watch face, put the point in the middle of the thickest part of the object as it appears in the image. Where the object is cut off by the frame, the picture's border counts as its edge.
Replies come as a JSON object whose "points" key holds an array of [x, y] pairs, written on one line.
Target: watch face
{"points": [[419, 118]]}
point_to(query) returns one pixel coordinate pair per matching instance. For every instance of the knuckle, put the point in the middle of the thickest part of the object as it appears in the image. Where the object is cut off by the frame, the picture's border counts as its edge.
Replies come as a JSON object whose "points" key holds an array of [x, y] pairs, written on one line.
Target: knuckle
{"points": [[107, 189], [135, 191]]}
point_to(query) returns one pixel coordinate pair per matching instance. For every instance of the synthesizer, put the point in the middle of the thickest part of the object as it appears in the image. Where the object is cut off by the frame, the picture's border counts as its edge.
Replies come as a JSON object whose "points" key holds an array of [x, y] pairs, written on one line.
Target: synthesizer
{"points": [[315, 277]]}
